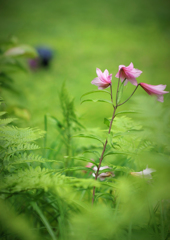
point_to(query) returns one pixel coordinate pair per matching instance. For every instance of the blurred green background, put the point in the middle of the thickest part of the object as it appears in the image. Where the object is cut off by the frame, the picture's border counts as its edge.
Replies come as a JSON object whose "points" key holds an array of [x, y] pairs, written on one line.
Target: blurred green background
{"points": [[84, 35]]}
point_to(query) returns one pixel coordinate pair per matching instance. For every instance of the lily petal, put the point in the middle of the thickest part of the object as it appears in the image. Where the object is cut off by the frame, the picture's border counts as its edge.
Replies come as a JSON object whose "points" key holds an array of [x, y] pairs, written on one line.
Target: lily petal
{"points": [[157, 90], [103, 80], [129, 73]]}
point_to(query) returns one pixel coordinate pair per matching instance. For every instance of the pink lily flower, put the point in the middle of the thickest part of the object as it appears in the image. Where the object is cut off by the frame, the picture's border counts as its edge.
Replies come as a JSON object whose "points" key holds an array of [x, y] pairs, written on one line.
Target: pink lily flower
{"points": [[103, 80], [155, 90], [89, 165], [103, 175], [146, 173], [128, 74]]}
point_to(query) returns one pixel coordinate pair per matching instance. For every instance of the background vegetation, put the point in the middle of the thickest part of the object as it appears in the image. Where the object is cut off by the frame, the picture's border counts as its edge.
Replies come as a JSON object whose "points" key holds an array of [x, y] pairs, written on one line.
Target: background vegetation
{"points": [[45, 189], [85, 35]]}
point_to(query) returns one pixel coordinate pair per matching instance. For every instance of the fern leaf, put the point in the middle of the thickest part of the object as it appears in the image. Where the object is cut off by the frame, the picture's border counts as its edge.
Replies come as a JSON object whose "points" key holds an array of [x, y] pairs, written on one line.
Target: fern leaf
{"points": [[14, 136], [21, 147], [2, 113], [6, 121], [37, 178]]}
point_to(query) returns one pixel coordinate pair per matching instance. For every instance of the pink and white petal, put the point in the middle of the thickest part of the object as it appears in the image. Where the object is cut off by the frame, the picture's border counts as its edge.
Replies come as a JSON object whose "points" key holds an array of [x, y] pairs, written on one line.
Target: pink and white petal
{"points": [[100, 75], [105, 167], [133, 81], [122, 76], [136, 72], [99, 72], [106, 73], [100, 84], [96, 81], [95, 168], [89, 165], [121, 66], [160, 88], [117, 74], [148, 171], [129, 68], [126, 81], [160, 98], [109, 78], [129, 76]]}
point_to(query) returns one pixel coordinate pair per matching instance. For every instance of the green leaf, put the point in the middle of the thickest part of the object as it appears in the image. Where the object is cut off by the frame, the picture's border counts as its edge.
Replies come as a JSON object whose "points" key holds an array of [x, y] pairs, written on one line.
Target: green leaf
{"points": [[10, 64], [127, 111], [22, 50], [96, 153], [97, 100], [2, 113], [85, 160], [89, 136], [107, 122], [5, 78], [44, 220], [97, 91], [109, 139], [120, 93], [114, 152], [6, 121]]}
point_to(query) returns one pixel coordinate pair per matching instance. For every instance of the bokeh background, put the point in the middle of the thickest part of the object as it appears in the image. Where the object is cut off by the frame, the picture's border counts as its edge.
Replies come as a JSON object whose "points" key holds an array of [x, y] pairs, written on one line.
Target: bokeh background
{"points": [[84, 35]]}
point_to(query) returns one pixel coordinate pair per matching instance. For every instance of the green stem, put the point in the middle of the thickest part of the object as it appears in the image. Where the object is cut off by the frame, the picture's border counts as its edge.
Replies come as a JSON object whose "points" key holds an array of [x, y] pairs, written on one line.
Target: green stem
{"points": [[113, 116], [104, 148], [45, 137], [128, 97], [117, 90], [111, 94]]}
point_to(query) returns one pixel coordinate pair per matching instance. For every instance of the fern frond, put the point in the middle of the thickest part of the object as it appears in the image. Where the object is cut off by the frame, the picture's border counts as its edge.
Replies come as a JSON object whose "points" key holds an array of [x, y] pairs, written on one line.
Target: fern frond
{"points": [[14, 136], [2, 113], [37, 178], [29, 158], [21, 147], [6, 121], [123, 124]]}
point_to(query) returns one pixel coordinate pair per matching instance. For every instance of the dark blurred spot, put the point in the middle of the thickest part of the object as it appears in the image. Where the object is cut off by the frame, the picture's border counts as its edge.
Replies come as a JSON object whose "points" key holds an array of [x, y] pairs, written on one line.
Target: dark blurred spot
{"points": [[43, 60]]}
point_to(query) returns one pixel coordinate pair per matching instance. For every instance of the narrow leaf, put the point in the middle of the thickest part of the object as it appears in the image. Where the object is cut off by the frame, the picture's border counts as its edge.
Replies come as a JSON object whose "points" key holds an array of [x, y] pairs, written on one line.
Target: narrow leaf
{"points": [[44, 220], [97, 91], [107, 122], [120, 93], [127, 111], [97, 100], [22, 50], [89, 136], [85, 160]]}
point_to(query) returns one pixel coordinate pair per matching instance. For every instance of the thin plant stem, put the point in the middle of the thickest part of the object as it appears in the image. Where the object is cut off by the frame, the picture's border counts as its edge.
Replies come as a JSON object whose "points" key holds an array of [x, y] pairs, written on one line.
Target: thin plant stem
{"points": [[104, 148], [45, 137], [111, 94], [117, 90], [113, 116], [128, 97]]}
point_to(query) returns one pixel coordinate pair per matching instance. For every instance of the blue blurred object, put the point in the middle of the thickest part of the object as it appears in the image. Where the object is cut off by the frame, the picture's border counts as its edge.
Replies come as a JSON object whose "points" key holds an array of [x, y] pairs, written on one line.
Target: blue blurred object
{"points": [[43, 60], [45, 55]]}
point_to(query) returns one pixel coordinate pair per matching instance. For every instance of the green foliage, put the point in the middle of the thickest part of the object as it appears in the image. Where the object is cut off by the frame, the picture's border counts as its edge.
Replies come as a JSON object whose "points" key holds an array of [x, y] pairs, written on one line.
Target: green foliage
{"points": [[69, 124], [21, 179], [51, 191], [10, 52], [59, 206]]}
